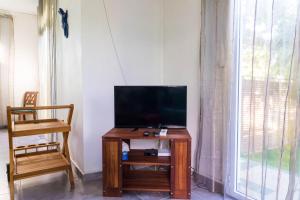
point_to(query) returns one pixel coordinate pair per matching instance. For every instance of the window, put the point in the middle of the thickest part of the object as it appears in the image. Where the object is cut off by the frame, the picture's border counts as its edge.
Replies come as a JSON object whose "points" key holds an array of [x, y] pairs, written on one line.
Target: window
{"points": [[260, 112]]}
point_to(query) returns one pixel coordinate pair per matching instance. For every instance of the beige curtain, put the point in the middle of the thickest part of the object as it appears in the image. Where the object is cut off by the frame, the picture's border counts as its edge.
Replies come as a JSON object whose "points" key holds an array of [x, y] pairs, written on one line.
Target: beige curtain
{"points": [[217, 76], [250, 98], [6, 65], [47, 12]]}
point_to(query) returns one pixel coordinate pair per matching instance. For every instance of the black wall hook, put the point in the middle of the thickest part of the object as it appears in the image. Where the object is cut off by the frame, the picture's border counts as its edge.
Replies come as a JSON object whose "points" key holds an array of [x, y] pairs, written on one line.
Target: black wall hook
{"points": [[64, 21]]}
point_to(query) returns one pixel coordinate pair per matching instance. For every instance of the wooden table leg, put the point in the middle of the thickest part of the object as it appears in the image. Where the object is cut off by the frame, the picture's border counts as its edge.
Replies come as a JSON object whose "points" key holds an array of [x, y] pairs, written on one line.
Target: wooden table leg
{"points": [[34, 115], [67, 154], [11, 169], [11, 182]]}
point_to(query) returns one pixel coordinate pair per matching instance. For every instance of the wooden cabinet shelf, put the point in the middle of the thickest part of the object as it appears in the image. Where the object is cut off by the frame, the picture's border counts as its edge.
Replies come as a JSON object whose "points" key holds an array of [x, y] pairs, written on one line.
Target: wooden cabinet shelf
{"points": [[40, 164], [171, 174], [140, 180], [136, 157]]}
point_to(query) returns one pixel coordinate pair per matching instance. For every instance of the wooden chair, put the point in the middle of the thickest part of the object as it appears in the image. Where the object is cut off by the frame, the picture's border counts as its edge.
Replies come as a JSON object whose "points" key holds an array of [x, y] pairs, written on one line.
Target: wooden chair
{"points": [[30, 99]]}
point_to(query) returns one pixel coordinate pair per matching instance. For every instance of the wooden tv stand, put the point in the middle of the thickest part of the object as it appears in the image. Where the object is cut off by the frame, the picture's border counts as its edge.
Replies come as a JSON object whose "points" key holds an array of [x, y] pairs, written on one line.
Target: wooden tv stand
{"points": [[120, 176]]}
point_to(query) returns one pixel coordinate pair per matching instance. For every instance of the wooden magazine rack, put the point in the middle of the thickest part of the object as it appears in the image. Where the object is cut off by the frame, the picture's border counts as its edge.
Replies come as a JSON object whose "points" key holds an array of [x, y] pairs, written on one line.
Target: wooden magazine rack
{"points": [[38, 159]]}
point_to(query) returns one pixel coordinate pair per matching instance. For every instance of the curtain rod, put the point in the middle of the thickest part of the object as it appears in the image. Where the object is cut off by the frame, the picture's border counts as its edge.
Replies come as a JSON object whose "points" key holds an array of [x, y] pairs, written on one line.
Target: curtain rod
{"points": [[5, 14]]}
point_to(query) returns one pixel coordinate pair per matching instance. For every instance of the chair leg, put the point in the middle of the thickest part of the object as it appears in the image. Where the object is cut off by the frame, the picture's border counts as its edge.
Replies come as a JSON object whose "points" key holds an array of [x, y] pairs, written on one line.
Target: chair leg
{"points": [[11, 184], [20, 117], [71, 177], [24, 117], [34, 115]]}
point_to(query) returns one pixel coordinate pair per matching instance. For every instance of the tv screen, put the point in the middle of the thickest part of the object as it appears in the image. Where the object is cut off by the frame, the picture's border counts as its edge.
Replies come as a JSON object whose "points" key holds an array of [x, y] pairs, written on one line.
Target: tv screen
{"points": [[150, 106]]}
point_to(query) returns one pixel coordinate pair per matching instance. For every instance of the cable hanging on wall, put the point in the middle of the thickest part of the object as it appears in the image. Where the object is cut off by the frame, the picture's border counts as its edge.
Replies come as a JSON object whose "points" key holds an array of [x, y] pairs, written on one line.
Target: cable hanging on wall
{"points": [[113, 43]]}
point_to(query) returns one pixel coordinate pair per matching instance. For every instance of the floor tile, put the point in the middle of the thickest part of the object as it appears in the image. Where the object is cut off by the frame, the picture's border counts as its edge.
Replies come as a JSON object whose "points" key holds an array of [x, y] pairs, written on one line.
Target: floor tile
{"points": [[56, 186]]}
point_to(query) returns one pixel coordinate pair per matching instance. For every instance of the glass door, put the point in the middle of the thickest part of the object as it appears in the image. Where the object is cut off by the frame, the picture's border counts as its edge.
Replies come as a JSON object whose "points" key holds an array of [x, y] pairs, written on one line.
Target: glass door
{"points": [[266, 110]]}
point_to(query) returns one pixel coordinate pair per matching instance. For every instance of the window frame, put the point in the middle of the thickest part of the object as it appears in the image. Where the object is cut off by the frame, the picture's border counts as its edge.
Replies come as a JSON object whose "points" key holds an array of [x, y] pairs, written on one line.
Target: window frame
{"points": [[235, 105]]}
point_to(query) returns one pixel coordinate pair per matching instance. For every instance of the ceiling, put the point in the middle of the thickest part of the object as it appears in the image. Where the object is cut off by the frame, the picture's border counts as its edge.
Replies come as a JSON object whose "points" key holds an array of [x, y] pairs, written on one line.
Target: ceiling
{"points": [[24, 6]]}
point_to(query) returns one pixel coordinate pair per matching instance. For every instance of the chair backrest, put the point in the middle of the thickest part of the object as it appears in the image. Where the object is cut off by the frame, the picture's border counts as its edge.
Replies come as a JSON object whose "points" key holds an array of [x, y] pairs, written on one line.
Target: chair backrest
{"points": [[30, 99]]}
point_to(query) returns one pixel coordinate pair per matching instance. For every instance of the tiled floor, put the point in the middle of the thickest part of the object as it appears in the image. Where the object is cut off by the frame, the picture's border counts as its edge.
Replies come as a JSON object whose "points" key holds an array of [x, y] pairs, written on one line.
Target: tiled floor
{"points": [[56, 187]]}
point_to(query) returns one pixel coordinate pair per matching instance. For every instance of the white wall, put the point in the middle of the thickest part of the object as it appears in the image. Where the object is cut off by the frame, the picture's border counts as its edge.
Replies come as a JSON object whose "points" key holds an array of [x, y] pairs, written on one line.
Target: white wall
{"points": [[136, 27], [26, 55], [69, 75], [182, 24], [158, 43], [28, 6]]}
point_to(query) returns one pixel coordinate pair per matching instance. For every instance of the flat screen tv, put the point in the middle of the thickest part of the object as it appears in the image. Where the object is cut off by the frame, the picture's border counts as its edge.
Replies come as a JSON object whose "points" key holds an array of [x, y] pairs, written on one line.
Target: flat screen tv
{"points": [[150, 106]]}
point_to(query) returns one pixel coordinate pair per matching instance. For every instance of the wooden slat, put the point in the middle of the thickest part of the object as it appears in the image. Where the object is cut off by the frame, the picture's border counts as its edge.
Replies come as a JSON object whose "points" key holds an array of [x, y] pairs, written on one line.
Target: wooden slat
{"points": [[36, 149], [40, 164], [36, 153], [35, 121], [42, 107], [39, 128], [36, 146]]}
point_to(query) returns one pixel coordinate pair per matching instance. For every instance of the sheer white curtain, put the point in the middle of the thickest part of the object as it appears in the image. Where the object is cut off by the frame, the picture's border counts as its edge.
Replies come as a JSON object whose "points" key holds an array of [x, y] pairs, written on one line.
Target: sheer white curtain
{"points": [[217, 77], [47, 12], [269, 99], [6, 65], [250, 84]]}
